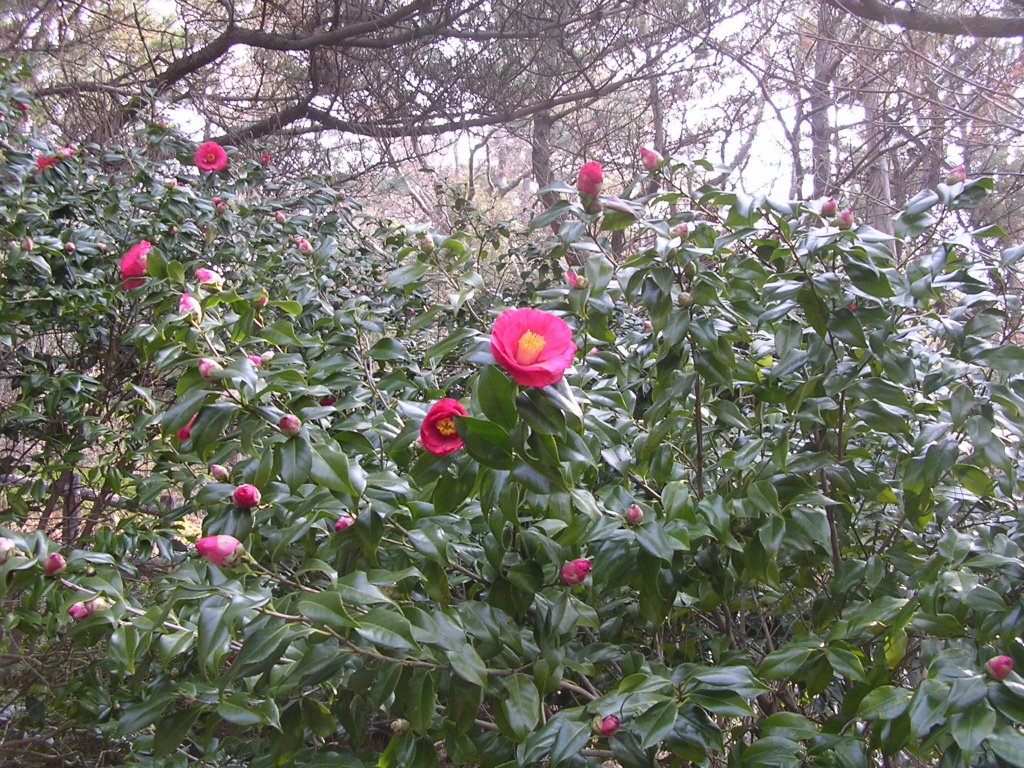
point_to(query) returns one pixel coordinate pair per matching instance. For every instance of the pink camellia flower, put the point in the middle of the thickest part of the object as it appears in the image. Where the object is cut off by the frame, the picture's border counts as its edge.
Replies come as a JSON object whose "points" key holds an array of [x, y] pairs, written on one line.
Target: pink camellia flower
{"points": [[590, 179], [437, 432], [207, 367], [328, 400], [304, 245], [219, 471], [844, 219], [189, 305], [533, 346], [8, 549], [575, 571], [255, 360], [54, 563], [46, 161], [265, 158], [209, 279], [289, 425], [133, 265], [78, 611], [344, 522], [999, 667], [21, 106], [578, 282], [829, 207], [66, 152], [210, 156], [957, 175], [609, 726], [593, 351], [651, 159], [279, 217], [223, 551], [246, 496], [634, 515], [186, 432]]}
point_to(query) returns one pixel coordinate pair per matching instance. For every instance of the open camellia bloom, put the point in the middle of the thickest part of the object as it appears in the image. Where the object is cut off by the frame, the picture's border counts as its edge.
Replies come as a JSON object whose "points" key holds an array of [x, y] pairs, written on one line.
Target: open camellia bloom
{"points": [[534, 346], [437, 432], [210, 156], [133, 264], [46, 161], [224, 551]]}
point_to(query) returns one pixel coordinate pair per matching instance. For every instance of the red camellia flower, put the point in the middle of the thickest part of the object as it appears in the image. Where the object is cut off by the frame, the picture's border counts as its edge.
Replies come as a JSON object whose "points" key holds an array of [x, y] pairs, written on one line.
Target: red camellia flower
{"points": [[999, 667], [634, 515], [46, 161], [609, 726], [590, 179], [533, 346], [186, 432], [437, 432], [246, 496], [210, 156], [575, 571], [223, 551], [651, 159], [265, 158]]}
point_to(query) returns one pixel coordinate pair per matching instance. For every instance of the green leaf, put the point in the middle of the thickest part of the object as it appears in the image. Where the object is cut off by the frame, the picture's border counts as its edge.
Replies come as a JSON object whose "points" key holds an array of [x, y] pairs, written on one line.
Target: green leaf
{"points": [[520, 707], [172, 729], [327, 608], [296, 458], [468, 665], [485, 441], [330, 467], [970, 728], [496, 395], [885, 703], [1007, 742], [412, 272]]}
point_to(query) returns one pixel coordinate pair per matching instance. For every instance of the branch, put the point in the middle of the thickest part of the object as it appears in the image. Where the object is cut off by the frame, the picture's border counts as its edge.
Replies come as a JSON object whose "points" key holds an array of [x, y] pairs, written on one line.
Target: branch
{"points": [[939, 23]]}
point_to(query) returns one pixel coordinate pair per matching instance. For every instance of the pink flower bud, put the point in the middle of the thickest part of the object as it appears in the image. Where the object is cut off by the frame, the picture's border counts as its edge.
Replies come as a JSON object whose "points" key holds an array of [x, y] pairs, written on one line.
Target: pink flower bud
{"points": [[265, 158], [957, 175], [577, 282], [328, 400], [344, 522], [593, 351], [78, 611], [21, 106], [829, 207], [634, 515], [280, 217], [223, 551], [575, 571], [999, 667], [648, 326], [186, 432], [609, 726], [8, 549], [266, 357], [103, 247], [209, 279], [246, 496], [651, 160], [28, 245], [219, 471], [208, 367], [255, 360], [290, 425], [262, 300], [844, 219], [426, 242], [66, 152], [683, 230], [69, 247], [590, 180], [54, 563], [189, 305], [222, 206], [97, 604], [304, 245]]}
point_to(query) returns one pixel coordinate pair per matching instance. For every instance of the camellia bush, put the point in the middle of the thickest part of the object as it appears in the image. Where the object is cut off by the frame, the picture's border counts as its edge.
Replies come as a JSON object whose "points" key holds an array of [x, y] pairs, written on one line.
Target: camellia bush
{"points": [[285, 484]]}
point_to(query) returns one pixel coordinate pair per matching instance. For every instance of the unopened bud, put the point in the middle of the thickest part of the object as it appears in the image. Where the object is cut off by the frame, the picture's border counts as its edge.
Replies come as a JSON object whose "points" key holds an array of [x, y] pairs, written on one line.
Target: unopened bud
{"points": [[683, 230], [220, 472], [266, 357], [399, 726], [844, 219], [634, 515], [246, 496], [606, 726], [69, 247], [999, 667], [208, 367], [290, 425], [576, 282], [957, 175], [426, 242], [575, 571], [651, 159], [280, 217], [829, 207], [684, 300], [344, 522], [54, 563], [8, 549]]}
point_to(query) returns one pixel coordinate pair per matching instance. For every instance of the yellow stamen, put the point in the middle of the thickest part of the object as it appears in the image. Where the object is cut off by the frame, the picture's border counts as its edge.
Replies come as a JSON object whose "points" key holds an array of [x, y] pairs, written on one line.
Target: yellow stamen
{"points": [[446, 427], [530, 346]]}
